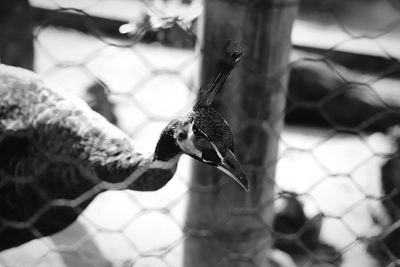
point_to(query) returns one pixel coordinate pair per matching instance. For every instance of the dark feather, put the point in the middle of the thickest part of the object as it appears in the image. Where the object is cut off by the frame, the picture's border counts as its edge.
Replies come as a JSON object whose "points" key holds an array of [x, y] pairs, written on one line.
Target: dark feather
{"points": [[231, 54]]}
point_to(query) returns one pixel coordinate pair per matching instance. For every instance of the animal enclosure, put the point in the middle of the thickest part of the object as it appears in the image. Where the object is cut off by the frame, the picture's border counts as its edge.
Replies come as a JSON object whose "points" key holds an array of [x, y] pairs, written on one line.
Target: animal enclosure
{"points": [[138, 63]]}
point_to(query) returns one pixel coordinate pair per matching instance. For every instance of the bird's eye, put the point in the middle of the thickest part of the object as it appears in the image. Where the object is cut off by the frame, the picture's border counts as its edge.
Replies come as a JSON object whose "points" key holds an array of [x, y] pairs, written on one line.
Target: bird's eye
{"points": [[182, 135], [202, 143]]}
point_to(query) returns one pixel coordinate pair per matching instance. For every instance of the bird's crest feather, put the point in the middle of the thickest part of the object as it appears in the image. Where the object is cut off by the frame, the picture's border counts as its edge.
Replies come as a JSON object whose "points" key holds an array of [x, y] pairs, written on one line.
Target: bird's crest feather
{"points": [[231, 54]]}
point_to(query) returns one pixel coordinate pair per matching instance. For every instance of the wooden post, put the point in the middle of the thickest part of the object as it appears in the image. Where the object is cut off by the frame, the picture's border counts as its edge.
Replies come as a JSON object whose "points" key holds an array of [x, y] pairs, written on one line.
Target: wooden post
{"points": [[226, 226], [16, 37]]}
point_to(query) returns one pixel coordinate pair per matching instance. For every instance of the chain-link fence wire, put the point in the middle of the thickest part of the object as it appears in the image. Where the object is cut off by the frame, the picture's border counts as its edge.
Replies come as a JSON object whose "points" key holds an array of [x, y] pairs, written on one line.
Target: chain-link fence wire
{"points": [[336, 186]]}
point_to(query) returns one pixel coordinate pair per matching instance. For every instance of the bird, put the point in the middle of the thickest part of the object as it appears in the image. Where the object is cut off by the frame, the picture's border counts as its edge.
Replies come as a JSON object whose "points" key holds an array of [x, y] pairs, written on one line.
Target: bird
{"points": [[318, 95], [290, 219], [384, 246], [57, 155], [298, 235]]}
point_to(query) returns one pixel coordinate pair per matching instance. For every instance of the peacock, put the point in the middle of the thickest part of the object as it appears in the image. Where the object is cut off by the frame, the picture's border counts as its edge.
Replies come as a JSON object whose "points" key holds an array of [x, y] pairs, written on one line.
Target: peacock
{"points": [[57, 155]]}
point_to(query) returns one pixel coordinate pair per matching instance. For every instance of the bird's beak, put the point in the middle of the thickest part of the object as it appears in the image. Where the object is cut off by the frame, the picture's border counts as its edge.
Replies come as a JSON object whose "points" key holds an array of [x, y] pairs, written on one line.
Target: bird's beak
{"points": [[231, 166]]}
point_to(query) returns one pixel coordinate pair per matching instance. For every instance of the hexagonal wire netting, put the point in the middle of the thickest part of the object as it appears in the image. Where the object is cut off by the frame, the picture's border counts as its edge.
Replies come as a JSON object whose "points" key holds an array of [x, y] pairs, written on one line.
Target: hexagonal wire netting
{"points": [[337, 193]]}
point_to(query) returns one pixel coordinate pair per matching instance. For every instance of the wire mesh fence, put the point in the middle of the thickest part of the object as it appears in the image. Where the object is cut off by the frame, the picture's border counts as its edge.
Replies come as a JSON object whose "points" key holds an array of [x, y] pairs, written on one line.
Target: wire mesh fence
{"points": [[135, 62]]}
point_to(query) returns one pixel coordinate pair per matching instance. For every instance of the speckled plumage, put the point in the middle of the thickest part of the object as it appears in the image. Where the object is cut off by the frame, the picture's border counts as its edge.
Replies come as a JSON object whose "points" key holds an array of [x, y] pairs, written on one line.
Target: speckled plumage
{"points": [[215, 127]]}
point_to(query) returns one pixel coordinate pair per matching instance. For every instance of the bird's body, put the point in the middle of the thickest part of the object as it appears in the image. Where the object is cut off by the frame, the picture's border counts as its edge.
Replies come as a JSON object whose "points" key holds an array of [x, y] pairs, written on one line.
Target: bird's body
{"points": [[56, 154], [38, 166]]}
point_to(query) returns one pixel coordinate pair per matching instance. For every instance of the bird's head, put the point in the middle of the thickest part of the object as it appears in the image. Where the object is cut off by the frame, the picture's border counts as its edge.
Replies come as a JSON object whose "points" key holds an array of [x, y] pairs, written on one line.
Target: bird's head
{"points": [[203, 134], [206, 136]]}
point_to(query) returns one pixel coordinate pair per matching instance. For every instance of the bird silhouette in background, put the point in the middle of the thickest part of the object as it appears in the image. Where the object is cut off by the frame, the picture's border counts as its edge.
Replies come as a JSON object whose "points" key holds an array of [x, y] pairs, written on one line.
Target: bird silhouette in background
{"points": [[298, 235], [290, 219], [56, 154], [320, 95], [97, 98], [385, 246]]}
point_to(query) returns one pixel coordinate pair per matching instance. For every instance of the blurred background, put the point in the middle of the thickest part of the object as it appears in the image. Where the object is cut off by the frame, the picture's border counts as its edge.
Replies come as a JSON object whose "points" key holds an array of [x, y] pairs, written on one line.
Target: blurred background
{"points": [[324, 184]]}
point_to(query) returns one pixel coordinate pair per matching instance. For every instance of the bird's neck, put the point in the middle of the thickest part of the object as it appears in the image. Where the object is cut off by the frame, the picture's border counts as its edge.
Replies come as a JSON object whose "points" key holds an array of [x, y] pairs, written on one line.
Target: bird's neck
{"points": [[142, 172], [167, 148], [161, 166]]}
